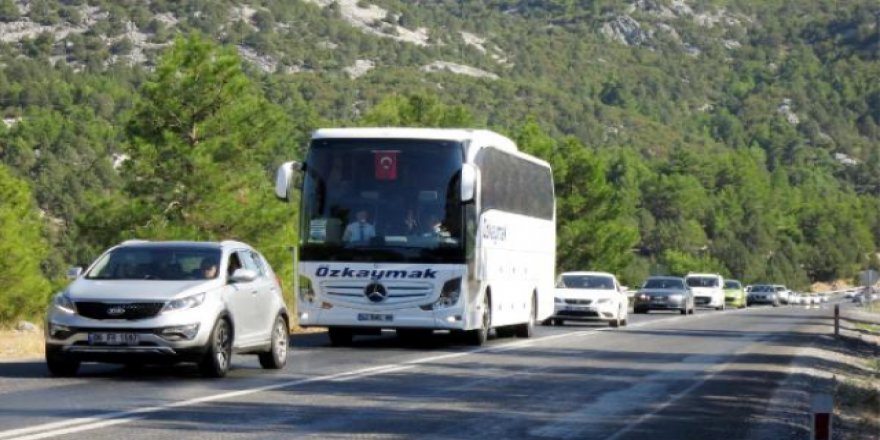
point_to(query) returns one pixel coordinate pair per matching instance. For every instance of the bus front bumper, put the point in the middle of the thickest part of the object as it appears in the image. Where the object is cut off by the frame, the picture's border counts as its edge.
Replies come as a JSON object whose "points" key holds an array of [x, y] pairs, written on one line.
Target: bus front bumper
{"points": [[447, 318]]}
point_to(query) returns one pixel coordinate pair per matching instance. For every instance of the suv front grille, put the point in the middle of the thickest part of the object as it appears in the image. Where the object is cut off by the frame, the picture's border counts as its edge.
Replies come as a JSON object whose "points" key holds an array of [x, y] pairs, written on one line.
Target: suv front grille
{"points": [[130, 311], [582, 302]]}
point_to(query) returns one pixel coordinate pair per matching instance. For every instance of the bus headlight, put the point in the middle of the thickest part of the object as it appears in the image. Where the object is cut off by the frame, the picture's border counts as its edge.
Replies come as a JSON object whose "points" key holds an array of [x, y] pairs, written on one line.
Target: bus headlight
{"points": [[306, 292], [450, 293]]}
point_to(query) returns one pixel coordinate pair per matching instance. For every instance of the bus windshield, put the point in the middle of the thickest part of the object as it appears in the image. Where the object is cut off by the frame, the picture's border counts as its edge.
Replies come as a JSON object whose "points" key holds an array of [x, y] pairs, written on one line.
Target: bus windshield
{"points": [[382, 200]]}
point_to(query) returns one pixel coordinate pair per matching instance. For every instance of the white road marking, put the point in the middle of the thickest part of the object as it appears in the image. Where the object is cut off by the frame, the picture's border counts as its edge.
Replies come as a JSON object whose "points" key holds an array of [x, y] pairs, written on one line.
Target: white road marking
{"points": [[65, 427]]}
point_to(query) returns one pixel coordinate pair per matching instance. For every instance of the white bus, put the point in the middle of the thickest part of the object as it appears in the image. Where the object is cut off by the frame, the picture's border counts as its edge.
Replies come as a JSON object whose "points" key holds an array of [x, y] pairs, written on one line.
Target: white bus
{"points": [[418, 230]]}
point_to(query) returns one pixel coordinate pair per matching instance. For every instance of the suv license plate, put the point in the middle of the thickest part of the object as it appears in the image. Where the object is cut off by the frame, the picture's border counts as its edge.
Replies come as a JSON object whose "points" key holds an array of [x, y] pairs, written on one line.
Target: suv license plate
{"points": [[375, 317], [114, 339]]}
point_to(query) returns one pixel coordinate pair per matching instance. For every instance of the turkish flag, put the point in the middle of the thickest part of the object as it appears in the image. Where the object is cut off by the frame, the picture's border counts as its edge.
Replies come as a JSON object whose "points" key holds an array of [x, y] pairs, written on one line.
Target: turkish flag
{"points": [[386, 165]]}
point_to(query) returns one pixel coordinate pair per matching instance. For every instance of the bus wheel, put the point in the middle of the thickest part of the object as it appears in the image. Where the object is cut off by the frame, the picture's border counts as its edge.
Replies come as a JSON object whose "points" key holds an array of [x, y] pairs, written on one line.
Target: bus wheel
{"points": [[528, 329], [340, 337], [478, 337]]}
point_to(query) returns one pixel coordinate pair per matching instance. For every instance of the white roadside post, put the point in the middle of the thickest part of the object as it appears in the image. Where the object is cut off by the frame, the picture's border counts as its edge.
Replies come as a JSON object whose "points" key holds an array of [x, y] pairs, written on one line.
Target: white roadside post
{"points": [[822, 412]]}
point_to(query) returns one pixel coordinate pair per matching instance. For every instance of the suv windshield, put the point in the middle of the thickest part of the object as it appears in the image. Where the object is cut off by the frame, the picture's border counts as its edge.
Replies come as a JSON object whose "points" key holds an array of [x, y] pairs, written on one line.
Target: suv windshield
{"points": [[587, 282], [663, 283], [383, 200], [168, 263], [702, 281], [762, 289]]}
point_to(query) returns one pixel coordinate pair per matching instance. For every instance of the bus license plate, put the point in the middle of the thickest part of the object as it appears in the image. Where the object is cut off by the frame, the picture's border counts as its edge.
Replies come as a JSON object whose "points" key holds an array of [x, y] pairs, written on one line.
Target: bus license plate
{"points": [[375, 317], [113, 339]]}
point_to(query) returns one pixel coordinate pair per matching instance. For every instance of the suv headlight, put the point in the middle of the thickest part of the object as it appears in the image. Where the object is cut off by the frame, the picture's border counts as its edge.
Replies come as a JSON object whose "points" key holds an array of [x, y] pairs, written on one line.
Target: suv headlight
{"points": [[603, 301], [676, 297], [64, 304], [184, 303]]}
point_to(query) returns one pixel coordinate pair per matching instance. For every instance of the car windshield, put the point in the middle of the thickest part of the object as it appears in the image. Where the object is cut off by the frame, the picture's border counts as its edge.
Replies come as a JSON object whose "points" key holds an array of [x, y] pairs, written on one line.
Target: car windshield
{"points": [[664, 283], [702, 281], [166, 263], [587, 282], [780, 288], [383, 200], [732, 284]]}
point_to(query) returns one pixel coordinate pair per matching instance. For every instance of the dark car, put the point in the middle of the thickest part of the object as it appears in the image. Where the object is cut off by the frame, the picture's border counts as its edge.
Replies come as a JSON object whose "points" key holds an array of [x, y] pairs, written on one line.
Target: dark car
{"points": [[763, 294], [664, 293]]}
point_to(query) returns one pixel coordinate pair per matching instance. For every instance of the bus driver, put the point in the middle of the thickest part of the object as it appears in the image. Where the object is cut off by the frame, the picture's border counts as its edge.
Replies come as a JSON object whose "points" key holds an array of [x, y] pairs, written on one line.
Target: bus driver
{"points": [[359, 231]]}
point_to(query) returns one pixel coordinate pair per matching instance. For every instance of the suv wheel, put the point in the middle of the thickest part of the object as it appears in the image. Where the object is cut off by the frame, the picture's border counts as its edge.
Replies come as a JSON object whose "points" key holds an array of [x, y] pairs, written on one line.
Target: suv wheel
{"points": [[276, 357], [219, 353], [60, 365]]}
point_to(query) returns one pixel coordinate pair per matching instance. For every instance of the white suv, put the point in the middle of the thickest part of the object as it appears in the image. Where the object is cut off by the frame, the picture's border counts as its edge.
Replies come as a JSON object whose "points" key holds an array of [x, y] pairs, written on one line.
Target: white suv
{"points": [[784, 295], [168, 302], [707, 288]]}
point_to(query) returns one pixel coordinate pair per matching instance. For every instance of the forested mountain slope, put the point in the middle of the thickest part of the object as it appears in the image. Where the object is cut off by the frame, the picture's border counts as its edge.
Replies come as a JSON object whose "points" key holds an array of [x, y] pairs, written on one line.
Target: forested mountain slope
{"points": [[739, 135]]}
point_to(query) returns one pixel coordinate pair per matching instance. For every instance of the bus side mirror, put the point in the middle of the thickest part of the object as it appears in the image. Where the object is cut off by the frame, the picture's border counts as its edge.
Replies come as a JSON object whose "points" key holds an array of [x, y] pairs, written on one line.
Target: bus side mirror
{"points": [[284, 177], [470, 177]]}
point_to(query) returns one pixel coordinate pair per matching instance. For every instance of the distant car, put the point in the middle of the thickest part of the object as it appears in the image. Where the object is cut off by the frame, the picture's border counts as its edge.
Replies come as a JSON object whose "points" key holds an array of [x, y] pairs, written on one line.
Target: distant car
{"points": [[664, 293], [823, 297], [783, 293], [590, 296], [849, 294], [708, 289], [763, 294], [169, 302], [734, 295]]}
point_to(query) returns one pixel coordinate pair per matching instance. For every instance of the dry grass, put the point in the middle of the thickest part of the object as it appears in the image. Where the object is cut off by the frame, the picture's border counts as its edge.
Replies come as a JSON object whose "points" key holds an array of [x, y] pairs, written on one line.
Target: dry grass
{"points": [[859, 401], [857, 394], [20, 345]]}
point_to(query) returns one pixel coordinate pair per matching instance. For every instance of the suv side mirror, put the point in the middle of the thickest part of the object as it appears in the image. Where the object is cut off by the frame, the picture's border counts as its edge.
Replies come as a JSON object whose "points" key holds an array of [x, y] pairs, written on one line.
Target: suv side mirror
{"points": [[284, 178], [470, 180], [243, 276], [74, 272]]}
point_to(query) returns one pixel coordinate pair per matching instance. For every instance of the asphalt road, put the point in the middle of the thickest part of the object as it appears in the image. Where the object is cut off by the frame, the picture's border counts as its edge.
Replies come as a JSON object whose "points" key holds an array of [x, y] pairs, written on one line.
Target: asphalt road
{"points": [[709, 376]]}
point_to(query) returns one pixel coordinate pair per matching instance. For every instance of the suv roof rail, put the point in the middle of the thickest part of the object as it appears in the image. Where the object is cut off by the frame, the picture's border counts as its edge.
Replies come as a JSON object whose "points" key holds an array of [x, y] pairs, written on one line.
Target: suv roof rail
{"points": [[135, 241], [233, 243]]}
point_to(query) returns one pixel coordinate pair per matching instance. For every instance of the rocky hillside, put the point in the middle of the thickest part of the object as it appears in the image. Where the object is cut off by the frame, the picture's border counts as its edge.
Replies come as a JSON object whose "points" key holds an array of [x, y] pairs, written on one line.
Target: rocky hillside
{"points": [[701, 105]]}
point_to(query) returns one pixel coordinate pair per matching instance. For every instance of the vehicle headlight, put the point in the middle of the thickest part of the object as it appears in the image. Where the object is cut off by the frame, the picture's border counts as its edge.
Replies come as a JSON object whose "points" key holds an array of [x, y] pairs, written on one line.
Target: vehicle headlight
{"points": [[676, 297], [306, 291], [450, 293], [64, 304], [644, 296], [603, 301], [184, 303]]}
